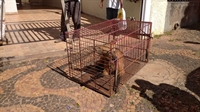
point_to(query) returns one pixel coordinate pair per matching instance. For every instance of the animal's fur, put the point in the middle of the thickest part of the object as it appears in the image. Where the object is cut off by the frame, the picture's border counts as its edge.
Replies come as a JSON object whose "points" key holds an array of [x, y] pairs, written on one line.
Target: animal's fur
{"points": [[107, 58]]}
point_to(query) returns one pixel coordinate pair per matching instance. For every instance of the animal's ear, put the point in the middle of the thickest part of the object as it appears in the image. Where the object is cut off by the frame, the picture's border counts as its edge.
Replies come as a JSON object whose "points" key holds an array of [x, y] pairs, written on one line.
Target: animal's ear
{"points": [[98, 49], [113, 53]]}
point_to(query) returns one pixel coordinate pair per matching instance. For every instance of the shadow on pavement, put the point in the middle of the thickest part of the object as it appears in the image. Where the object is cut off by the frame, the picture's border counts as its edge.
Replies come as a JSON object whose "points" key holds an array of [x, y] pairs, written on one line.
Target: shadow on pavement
{"points": [[59, 66], [193, 81], [28, 32], [167, 98], [4, 60], [191, 42], [7, 59], [191, 16]]}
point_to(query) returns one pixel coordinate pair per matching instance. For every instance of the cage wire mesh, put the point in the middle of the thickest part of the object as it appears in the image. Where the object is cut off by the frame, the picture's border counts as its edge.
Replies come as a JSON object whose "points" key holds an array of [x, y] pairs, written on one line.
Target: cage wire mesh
{"points": [[104, 56]]}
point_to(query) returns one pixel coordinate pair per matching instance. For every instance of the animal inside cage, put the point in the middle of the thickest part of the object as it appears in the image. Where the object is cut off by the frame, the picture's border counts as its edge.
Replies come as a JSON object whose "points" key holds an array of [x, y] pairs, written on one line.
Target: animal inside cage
{"points": [[105, 56]]}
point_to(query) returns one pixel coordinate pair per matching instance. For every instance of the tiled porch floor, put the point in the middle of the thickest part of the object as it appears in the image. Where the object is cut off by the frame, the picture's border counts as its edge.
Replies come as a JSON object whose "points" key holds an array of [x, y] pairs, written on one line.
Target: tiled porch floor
{"points": [[32, 31]]}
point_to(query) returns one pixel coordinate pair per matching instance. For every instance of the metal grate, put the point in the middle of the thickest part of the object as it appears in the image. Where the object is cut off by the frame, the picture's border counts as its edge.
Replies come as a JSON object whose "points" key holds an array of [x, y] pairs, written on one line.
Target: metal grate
{"points": [[104, 56]]}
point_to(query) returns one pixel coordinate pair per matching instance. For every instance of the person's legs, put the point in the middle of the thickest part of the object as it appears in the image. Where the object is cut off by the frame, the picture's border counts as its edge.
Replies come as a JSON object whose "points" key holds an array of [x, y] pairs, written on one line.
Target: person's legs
{"points": [[76, 17], [111, 14], [63, 26], [108, 13], [63, 29], [114, 13], [65, 16]]}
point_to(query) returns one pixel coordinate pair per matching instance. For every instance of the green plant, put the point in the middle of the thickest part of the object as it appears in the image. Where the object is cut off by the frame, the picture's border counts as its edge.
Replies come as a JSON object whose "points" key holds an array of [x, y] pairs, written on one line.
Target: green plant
{"points": [[113, 96], [131, 90], [171, 40], [168, 33], [46, 60], [198, 53], [132, 102], [157, 36], [77, 105], [152, 107], [177, 46], [103, 110], [178, 39], [83, 88]]}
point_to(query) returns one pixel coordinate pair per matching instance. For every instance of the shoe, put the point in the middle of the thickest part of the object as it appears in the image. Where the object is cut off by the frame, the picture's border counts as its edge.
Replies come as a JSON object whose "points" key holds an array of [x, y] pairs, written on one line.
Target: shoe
{"points": [[3, 40], [59, 40]]}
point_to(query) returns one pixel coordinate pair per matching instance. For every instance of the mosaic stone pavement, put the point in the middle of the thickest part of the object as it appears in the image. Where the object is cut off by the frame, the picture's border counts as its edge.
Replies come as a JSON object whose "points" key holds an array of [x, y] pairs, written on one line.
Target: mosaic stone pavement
{"points": [[34, 86]]}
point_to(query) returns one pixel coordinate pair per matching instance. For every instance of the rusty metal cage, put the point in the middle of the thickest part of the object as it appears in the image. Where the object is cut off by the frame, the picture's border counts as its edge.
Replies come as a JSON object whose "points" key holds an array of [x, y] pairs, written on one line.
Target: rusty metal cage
{"points": [[105, 55]]}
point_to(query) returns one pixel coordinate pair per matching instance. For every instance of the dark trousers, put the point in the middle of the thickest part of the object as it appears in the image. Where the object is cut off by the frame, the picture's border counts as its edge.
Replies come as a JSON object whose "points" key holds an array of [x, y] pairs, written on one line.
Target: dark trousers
{"points": [[111, 13], [72, 10]]}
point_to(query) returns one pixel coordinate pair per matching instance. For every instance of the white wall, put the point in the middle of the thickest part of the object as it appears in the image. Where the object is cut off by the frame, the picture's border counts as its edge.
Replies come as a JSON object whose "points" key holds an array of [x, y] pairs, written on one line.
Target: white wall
{"points": [[10, 6], [92, 7], [165, 14], [158, 16], [53, 3], [146, 10], [133, 9]]}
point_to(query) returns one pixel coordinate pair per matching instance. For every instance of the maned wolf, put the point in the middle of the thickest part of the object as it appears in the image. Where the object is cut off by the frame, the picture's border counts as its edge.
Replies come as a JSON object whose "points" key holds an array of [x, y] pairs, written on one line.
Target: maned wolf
{"points": [[108, 59]]}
